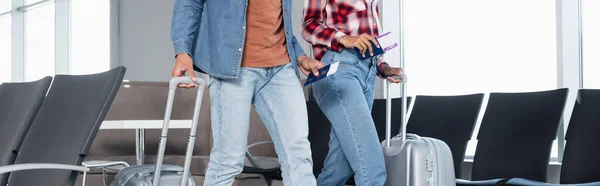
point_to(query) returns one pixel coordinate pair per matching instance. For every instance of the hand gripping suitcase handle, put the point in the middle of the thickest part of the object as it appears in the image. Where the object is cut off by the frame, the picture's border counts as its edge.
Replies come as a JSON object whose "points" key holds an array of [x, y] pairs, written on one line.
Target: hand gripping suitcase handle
{"points": [[184, 80], [388, 109], [163, 138]]}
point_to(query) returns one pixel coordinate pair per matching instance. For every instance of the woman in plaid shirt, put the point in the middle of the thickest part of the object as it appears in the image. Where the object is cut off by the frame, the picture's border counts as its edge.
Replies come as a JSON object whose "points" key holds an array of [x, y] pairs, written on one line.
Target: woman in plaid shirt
{"points": [[334, 28]]}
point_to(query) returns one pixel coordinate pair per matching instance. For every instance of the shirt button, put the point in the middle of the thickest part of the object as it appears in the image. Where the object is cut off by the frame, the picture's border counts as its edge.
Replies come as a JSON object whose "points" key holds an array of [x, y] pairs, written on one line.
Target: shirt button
{"points": [[240, 49], [244, 27]]}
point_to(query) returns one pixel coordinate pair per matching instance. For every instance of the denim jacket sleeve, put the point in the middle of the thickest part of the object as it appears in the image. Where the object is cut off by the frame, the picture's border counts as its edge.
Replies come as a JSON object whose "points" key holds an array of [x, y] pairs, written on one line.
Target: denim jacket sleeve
{"points": [[184, 25], [297, 47]]}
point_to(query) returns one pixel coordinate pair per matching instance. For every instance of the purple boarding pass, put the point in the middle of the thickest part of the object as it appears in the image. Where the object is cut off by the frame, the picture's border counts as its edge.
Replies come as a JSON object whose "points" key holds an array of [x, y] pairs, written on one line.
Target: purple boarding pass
{"points": [[386, 41]]}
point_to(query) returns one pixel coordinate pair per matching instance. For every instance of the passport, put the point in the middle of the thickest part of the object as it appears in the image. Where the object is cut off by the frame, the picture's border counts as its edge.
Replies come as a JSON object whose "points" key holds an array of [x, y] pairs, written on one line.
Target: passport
{"points": [[385, 43], [323, 73]]}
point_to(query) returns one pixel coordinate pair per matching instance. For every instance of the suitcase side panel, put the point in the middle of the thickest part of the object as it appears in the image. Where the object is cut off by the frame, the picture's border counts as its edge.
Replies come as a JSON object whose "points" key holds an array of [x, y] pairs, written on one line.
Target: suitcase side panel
{"points": [[142, 175], [444, 164], [412, 158]]}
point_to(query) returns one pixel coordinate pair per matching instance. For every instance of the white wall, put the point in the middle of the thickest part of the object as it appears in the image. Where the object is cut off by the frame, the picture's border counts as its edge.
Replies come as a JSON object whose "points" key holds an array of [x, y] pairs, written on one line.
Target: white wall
{"points": [[390, 20], [144, 44]]}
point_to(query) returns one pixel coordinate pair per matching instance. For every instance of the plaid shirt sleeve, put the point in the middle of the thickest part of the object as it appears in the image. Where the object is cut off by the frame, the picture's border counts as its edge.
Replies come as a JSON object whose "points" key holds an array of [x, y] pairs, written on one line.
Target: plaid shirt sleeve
{"points": [[381, 66], [314, 31]]}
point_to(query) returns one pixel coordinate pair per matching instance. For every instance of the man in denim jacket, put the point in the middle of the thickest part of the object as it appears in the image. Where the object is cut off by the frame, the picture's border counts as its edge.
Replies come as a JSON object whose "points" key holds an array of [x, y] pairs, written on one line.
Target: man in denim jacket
{"points": [[248, 49]]}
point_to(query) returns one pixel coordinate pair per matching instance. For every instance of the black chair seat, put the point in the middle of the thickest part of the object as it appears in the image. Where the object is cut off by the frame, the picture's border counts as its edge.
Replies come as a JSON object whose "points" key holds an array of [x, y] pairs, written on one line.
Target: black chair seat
{"points": [[269, 174], [492, 182], [526, 182]]}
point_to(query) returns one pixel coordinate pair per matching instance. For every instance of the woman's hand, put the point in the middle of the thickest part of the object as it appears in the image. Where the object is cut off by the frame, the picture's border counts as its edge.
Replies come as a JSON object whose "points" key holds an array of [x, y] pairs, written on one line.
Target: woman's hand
{"points": [[361, 42], [393, 71]]}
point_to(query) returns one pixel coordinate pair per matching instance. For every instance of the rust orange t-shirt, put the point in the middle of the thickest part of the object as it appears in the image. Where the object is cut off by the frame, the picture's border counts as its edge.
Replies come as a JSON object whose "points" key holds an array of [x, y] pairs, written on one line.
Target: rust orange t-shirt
{"points": [[265, 35]]}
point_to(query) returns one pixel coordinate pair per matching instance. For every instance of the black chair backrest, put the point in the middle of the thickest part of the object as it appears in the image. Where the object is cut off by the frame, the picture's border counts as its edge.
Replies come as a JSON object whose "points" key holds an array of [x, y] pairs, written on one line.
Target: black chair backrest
{"points": [[66, 126], [516, 134], [580, 162], [19, 103], [447, 118], [378, 114]]}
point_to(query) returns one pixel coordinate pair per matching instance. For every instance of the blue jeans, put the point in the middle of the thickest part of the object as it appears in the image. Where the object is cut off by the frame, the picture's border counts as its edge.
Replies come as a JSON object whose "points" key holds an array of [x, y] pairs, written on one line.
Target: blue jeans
{"points": [[278, 98], [346, 98]]}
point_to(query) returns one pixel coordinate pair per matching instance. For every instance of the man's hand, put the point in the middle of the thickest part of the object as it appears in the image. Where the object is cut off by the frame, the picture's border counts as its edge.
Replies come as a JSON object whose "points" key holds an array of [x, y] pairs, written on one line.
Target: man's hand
{"points": [[183, 63], [361, 42], [393, 71], [308, 65]]}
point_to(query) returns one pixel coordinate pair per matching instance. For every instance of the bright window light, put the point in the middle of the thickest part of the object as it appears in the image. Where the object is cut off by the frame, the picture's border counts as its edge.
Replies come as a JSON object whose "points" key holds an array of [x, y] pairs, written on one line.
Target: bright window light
{"points": [[5, 49], [473, 46], [5, 5], [39, 42], [90, 36], [590, 25]]}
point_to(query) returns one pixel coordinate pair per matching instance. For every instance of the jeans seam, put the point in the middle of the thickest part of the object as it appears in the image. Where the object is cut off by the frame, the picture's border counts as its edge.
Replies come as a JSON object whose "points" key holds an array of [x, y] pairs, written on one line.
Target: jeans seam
{"points": [[352, 129], [221, 139], [281, 139], [368, 77]]}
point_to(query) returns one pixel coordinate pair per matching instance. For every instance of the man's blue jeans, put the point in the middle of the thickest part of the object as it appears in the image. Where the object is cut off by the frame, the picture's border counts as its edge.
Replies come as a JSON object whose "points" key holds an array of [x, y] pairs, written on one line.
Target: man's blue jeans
{"points": [[346, 98], [278, 98]]}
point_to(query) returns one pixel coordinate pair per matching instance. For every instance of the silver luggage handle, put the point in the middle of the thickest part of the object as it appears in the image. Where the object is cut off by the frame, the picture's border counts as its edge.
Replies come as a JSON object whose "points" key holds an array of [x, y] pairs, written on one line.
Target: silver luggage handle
{"points": [[408, 136], [192, 139], [388, 114]]}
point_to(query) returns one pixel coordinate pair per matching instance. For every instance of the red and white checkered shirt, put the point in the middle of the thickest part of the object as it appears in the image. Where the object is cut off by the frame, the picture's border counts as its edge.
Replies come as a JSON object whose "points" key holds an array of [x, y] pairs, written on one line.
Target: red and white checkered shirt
{"points": [[325, 22]]}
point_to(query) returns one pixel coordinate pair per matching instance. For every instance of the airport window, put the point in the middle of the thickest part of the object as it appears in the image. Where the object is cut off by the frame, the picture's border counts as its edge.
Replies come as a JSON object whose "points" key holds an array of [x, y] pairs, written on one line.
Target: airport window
{"points": [[39, 41], [590, 27], [34, 1], [88, 40], [5, 48], [473, 46], [5, 6], [90, 36]]}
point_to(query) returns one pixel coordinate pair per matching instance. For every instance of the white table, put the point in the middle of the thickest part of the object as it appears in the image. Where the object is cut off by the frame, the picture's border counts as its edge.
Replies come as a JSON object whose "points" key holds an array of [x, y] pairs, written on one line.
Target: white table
{"points": [[139, 126]]}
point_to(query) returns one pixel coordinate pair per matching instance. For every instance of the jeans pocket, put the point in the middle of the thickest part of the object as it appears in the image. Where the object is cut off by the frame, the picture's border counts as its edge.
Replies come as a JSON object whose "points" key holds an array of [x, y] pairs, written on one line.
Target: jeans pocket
{"points": [[346, 58], [320, 88]]}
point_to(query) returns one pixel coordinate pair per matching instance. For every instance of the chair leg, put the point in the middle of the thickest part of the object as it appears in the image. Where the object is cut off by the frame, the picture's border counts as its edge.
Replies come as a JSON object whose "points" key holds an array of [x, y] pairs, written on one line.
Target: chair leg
{"points": [[103, 177], [84, 178]]}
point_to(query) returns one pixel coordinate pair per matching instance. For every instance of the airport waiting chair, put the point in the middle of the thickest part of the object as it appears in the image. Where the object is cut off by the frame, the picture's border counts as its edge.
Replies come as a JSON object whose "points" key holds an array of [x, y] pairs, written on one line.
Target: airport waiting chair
{"points": [[64, 129], [19, 103], [580, 164], [447, 118], [516, 135]]}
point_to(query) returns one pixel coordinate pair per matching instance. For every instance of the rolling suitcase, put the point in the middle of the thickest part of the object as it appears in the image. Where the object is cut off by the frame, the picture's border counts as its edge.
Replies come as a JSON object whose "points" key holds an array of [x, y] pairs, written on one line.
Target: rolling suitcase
{"points": [[146, 175], [412, 160]]}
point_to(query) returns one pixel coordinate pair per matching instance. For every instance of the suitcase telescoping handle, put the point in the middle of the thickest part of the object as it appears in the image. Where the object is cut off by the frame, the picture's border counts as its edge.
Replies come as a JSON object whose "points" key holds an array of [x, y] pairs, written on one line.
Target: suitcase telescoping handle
{"points": [[388, 110], [163, 137]]}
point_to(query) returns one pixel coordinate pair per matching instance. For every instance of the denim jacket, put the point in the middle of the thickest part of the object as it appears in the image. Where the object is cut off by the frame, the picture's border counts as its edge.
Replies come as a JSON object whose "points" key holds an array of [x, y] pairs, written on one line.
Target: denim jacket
{"points": [[213, 32]]}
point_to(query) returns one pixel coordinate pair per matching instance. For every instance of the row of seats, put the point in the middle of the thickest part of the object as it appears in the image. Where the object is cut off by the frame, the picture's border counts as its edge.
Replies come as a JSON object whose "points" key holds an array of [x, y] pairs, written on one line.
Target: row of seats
{"points": [[46, 131], [514, 140]]}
